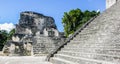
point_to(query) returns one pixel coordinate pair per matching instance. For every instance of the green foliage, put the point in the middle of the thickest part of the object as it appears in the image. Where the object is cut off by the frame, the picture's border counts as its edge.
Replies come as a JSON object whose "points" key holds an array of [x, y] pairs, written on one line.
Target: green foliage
{"points": [[11, 34], [4, 36], [74, 19]]}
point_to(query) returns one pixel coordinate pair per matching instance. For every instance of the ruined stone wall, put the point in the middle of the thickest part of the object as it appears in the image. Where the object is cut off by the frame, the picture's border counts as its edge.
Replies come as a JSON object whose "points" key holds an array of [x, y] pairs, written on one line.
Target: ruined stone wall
{"points": [[36, 32]]}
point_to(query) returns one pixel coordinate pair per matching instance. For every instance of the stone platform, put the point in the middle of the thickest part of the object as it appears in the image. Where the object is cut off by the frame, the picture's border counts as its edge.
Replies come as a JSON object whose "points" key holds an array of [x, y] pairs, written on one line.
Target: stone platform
{"points": [[23, 60]]}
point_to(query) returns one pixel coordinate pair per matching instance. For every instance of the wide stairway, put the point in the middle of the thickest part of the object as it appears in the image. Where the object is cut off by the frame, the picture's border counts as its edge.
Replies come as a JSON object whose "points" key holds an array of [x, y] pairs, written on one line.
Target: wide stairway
{"points": [[97, 43]]}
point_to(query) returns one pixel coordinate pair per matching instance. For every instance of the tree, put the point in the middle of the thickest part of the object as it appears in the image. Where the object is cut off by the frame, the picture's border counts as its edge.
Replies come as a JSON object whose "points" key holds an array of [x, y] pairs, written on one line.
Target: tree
{"points": [[3, 38], [74, 19], [11, 33]]}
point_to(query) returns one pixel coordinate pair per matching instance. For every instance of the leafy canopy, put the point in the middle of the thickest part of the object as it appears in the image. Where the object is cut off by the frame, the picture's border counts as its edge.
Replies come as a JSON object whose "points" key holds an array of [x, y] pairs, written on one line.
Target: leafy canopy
{"points": [[75, 18], [4, 36]]}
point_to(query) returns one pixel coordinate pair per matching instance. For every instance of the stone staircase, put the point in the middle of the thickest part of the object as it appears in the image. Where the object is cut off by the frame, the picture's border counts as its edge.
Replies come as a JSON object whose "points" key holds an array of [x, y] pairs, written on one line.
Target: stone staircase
{"points": [[38, 50], [97, 42], [43, 46]]}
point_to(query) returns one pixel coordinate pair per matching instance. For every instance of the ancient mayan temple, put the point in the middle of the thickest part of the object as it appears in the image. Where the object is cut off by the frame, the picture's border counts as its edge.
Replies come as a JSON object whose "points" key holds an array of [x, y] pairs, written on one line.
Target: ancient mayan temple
{"points": [[36, 34], [96, 42]]}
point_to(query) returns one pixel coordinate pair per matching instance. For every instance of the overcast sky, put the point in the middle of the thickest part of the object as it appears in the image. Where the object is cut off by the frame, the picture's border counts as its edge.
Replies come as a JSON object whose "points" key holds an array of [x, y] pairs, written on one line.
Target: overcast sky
{"points": [[10, 9]]}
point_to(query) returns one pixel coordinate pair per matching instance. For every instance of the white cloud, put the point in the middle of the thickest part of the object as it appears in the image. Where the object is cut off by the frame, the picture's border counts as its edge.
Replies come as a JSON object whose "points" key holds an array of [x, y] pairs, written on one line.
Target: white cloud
{"points": [[7, 26], [98, 10]]}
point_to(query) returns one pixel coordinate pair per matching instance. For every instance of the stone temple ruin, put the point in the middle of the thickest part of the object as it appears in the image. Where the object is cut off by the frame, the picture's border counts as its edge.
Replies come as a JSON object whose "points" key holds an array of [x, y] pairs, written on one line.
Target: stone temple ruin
{"points": [[96, 42], [35, 34]]}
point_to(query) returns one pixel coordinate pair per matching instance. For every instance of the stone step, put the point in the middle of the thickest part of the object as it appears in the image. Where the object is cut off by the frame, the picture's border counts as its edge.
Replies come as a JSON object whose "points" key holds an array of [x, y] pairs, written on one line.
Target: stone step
{"points": [[85, 42], [92, 27], [14, 55], [41, 37], [91, 46], [43, 46], [41, 51], [34, 48], [89, 53], [100, 51], [37, 50], [81, 38], [39, 46], [46, 44], [96, 47], [86, 33], [42, 40], [81, 60], [61, 61], [39, 43], [77, 43], [23, 60], [100, 47], [40, 54], [82, 33], [84, 37]]}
